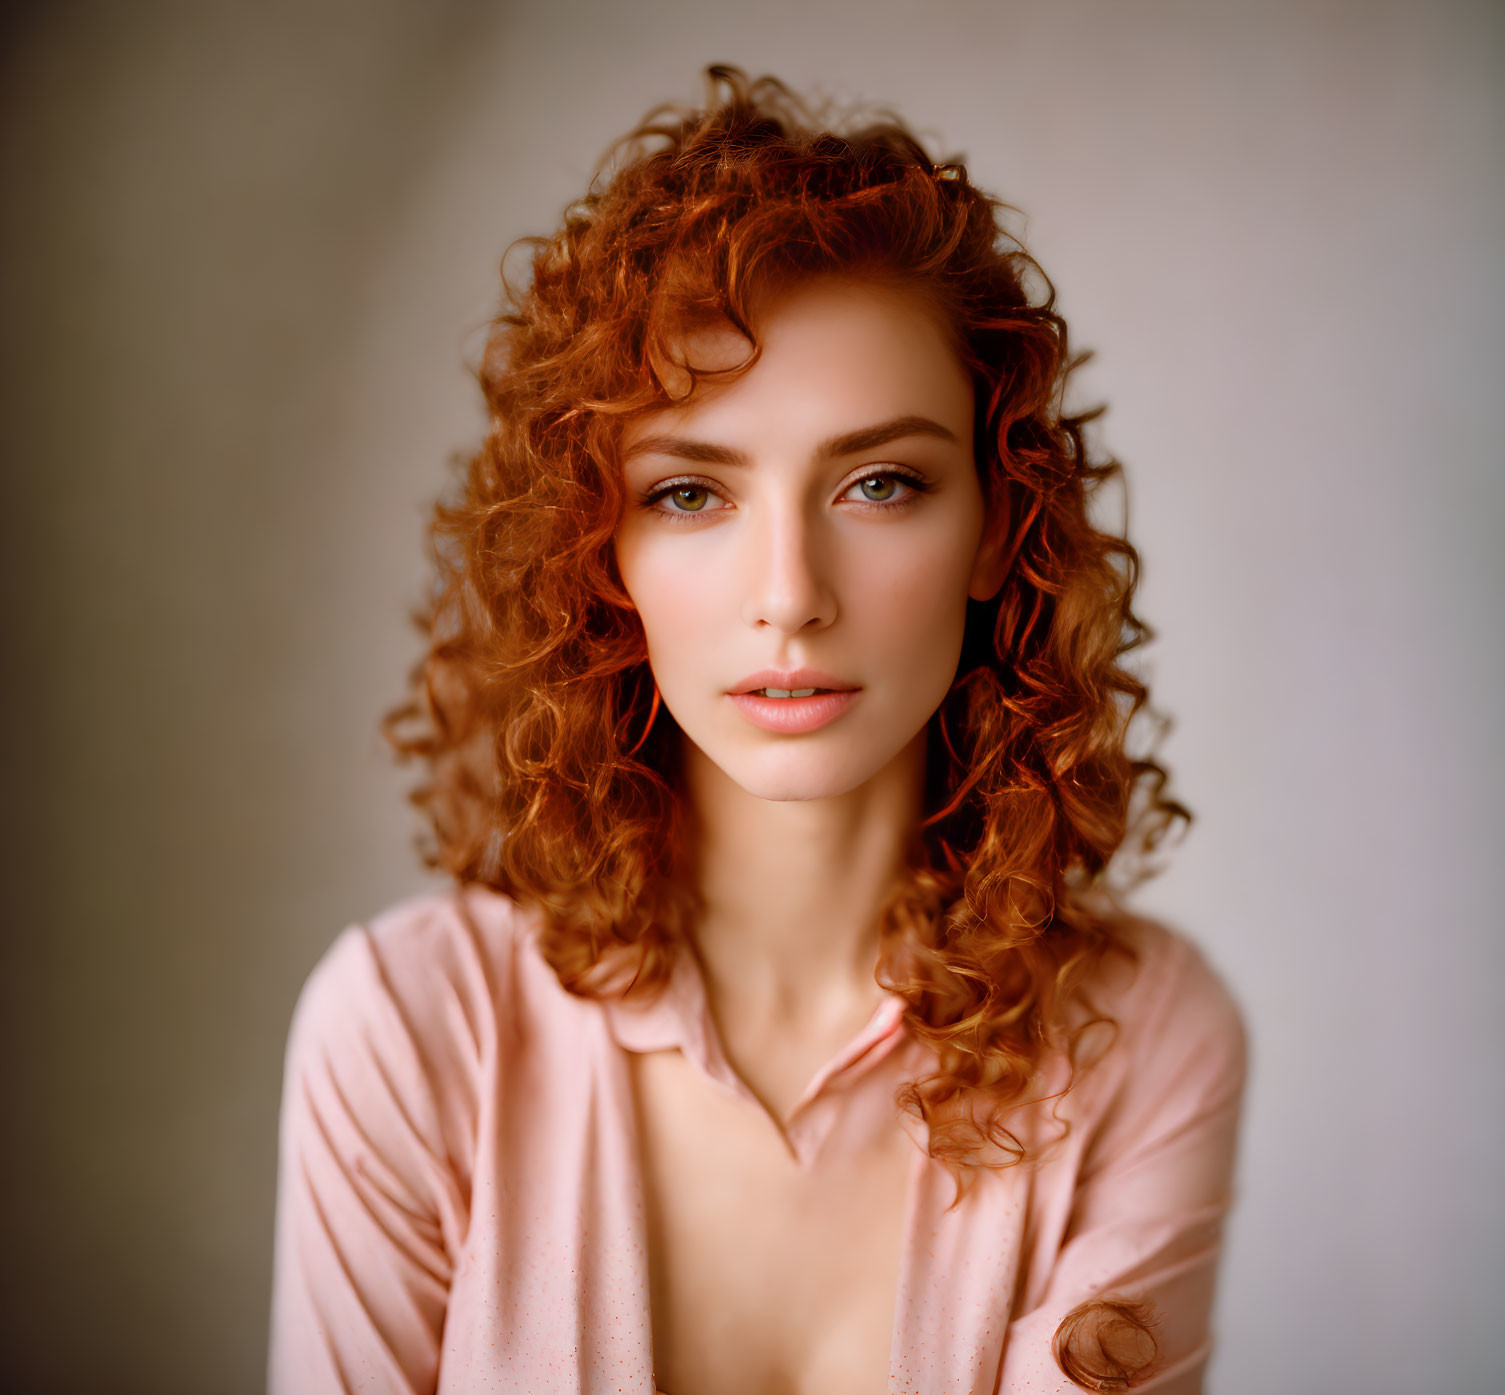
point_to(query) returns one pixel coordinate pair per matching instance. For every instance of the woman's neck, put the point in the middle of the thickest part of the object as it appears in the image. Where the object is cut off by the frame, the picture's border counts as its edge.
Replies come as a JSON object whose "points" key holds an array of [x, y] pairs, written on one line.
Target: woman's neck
{"points": [[793, 890]]}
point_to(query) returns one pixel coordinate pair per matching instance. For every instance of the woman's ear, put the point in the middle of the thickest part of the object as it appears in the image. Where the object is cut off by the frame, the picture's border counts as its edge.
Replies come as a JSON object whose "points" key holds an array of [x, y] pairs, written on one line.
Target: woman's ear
{"points": [[990, 570]]}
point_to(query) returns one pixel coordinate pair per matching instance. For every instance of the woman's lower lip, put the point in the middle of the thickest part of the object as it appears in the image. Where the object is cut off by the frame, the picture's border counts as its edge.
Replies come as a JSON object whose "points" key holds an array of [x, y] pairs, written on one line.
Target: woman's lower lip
{"points": [[794, 715]]}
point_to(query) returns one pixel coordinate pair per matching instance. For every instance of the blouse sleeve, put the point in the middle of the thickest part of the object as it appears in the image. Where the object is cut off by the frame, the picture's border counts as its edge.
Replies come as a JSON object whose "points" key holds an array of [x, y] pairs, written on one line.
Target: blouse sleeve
{"points": [[371, 1208], [1147, 1215]]}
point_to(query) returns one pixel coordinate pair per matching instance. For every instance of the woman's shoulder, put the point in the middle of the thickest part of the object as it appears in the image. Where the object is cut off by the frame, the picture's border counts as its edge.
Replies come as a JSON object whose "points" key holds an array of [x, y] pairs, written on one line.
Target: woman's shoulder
{"points": [[1172, 984], [451, 930], [1179, 1042], [393, 1050], [431, 970]]}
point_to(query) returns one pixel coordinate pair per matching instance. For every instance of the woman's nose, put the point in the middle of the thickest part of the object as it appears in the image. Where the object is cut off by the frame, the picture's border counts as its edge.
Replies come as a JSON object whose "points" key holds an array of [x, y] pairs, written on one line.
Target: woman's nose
{"points": [[788, 569]]}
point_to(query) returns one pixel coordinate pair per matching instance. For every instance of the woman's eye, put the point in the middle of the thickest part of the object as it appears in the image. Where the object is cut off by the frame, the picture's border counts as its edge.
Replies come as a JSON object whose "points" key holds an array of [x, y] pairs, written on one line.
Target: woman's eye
{"points": [[690, 500], [877, 489], [884, 488], [683, 499]]}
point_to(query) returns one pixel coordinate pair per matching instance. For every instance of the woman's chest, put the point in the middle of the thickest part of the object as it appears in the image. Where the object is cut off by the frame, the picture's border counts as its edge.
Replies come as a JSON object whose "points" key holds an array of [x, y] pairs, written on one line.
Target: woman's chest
{"points": [[764, 1274]]}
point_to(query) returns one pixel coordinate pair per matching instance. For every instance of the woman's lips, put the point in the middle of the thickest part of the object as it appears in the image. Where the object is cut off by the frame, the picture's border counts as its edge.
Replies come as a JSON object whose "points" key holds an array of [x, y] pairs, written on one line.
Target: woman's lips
{"points": [[794, 714]]}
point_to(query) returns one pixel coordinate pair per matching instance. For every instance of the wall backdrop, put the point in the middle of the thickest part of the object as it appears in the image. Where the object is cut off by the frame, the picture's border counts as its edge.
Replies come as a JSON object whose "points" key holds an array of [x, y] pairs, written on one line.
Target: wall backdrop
{"points": [[247, 255]]}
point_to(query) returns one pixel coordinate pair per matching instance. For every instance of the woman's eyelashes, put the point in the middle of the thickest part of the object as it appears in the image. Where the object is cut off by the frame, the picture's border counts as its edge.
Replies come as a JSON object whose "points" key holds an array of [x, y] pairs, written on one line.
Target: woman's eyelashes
{"points": [[886, 491]]}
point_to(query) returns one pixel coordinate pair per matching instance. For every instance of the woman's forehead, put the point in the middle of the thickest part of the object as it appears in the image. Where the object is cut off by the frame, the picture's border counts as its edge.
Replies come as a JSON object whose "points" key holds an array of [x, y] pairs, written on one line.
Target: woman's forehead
{"points": [[831, 348]]}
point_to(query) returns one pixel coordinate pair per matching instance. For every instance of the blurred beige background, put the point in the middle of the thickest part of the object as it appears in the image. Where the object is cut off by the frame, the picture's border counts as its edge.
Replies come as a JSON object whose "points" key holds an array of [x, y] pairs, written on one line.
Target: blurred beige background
{"points": [[247, 251]]}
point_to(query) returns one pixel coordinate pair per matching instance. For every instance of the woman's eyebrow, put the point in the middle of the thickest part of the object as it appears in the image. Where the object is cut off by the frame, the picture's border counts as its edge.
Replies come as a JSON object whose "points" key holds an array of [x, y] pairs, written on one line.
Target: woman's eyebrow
{"points": [[848, 443]]}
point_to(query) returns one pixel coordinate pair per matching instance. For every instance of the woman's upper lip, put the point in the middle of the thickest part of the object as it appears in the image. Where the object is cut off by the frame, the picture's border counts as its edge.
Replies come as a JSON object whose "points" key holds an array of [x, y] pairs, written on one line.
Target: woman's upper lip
{"points": [[791, 679]]}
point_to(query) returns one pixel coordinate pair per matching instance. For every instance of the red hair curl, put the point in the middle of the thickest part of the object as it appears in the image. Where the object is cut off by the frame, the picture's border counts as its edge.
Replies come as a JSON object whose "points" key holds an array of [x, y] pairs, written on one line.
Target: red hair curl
{"points": [[552, 773], [1107, 1344]]}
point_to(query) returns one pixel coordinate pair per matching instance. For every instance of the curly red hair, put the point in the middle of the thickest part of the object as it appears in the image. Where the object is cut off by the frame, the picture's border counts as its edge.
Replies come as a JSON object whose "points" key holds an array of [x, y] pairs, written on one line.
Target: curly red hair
{"points": [[553, 775]]}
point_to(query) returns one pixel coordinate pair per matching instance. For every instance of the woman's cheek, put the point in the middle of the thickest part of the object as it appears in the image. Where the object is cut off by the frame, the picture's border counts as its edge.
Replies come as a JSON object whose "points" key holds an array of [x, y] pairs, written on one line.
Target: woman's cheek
{"points": [[924, 590], [683, 617]]}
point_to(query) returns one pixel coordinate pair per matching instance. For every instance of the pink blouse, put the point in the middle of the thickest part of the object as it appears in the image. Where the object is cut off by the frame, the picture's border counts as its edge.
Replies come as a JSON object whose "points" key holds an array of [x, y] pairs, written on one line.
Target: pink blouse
{"points": [[460, 1203]]}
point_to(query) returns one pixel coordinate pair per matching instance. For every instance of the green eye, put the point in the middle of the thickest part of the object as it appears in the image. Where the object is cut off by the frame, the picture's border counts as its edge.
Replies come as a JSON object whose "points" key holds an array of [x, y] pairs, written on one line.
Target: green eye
{"points": [[882, 487], [690, 498]]}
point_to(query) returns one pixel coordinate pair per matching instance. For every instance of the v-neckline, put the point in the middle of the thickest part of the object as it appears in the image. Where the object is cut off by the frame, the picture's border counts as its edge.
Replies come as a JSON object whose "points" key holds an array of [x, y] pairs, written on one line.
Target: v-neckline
{"points": [[935, 1343], [681, 1017], [918, 1171]]}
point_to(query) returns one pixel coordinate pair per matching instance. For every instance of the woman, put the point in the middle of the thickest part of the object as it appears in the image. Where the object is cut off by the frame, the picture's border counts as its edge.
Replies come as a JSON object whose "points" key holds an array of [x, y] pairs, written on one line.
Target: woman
{"points": [[783, 1031]]}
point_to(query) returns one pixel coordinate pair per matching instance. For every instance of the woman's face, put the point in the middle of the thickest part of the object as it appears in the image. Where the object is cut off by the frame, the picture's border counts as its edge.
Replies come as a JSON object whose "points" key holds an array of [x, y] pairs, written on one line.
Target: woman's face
{"points": [[822, 512]]}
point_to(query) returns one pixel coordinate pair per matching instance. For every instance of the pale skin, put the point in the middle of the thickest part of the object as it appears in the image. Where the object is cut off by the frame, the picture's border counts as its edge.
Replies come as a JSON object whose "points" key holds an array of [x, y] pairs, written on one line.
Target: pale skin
{"points": [[784, 546]]}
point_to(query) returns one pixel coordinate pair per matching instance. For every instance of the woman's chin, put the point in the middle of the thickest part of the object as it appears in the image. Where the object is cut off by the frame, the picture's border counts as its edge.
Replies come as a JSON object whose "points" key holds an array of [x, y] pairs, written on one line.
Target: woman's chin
{"points": [[798, 769], [791, 774], [796, 790]]}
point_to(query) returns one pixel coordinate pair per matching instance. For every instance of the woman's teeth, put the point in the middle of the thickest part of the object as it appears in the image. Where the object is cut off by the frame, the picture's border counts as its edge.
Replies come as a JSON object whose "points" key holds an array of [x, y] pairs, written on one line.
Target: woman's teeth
{"points": [[787, 692]]}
